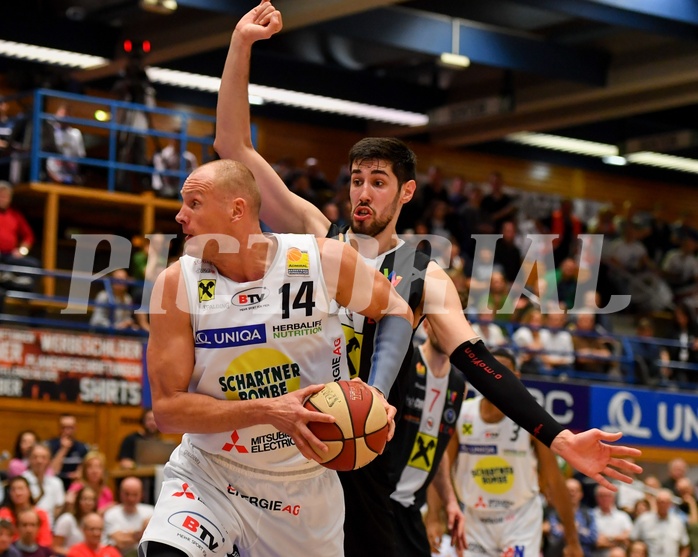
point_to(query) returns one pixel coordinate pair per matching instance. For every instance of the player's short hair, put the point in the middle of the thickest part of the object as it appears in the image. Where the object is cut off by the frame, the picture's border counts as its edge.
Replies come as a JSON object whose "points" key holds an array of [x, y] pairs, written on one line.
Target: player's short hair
{"points": [[401, 158]]}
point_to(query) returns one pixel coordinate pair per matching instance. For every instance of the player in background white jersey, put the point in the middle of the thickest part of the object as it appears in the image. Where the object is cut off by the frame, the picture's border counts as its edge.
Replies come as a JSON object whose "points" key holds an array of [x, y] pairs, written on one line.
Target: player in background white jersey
{"points": [[499, 472]]}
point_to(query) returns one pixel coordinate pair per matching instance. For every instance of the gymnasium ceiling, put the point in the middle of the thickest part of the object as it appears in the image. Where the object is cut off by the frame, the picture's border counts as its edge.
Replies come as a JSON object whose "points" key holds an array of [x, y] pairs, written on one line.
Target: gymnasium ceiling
{"points": [[601, 70]]}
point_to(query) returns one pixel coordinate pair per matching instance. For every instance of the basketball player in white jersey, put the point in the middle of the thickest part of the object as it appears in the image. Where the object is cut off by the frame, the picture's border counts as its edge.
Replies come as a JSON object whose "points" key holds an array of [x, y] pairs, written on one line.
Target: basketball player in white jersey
{"points": [[499, 471], [244, 327]]}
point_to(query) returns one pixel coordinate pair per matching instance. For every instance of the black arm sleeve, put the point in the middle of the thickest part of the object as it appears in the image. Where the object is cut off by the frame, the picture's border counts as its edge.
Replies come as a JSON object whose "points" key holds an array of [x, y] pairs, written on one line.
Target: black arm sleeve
{"points": [[503, 389]]}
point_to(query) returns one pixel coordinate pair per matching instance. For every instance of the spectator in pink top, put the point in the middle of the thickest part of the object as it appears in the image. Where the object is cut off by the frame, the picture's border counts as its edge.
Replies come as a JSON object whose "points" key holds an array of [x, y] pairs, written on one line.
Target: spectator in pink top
{"points": [[20, 459], [92, 473]]}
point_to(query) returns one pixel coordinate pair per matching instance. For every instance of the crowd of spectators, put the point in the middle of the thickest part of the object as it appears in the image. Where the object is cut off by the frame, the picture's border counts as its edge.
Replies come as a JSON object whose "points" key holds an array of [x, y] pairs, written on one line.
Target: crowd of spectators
{"points": [[41, 518]]}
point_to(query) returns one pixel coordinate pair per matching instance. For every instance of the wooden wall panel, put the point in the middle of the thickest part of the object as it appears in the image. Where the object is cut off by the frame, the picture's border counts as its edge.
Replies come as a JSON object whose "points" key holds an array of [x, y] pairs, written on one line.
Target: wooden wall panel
{"points": [[101, 426]]}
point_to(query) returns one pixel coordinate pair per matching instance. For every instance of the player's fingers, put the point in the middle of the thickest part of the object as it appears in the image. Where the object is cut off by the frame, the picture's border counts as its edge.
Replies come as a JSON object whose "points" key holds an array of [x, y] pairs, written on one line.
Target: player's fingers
{"points": [[264, 14], [598, 478], [625, 465], [617, 475], [313, 443], [621, 450]]}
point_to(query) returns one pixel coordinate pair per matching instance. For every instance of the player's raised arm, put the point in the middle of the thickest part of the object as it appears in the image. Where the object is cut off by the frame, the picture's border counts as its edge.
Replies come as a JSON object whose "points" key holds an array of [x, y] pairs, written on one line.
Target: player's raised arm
{"points": [[588, 452], [282, 210]]}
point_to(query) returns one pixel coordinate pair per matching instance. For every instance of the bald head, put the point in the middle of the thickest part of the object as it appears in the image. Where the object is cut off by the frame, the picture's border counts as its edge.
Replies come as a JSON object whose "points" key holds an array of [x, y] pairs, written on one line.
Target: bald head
{"points": [[231, 179]]}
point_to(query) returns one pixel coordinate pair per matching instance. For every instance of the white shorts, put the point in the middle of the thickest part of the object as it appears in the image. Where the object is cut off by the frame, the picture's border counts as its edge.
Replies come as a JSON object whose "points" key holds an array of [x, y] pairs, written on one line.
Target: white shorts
{"points": [[210, 508], [510, 534]]}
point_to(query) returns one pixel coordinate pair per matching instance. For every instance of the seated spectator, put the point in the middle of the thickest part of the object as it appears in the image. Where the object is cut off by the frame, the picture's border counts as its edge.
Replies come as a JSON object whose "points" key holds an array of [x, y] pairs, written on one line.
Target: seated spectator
{"points": [[47, 490], [28, 524], [613, 525], [478, 273], [318, 182], [299, 183], [592, 352], [662, 530], [20, 459], [649, 355], [632, 271], [18, 498], [507, 254], [529, 337], [491, 334], [683, 351], [92, 526], [67, 451], [686, 491], [170, 158], [124, 523], [440, 219], [563, 282], [680, 268], [11, 132], [7, 532], [114, 317], [69, 143], [557, 342], [584, 518], [66, 530], [92, 474], [677, 469], [16, 241], [149, 430]]}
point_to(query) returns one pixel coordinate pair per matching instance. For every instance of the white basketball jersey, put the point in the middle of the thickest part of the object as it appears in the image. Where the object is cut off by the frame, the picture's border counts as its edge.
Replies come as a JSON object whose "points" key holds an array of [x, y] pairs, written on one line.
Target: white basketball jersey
{"points": [[263, 339], [496, 467]]}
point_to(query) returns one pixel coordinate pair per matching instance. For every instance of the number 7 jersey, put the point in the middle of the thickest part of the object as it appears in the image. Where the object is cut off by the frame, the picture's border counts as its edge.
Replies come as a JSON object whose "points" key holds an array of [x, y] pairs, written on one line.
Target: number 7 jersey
{"points": [[263, 339]]}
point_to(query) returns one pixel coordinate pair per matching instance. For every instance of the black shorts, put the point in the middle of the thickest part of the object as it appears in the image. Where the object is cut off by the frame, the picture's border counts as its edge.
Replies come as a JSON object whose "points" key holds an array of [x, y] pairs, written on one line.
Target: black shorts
{"points": [[411, 534], [369, 522]]}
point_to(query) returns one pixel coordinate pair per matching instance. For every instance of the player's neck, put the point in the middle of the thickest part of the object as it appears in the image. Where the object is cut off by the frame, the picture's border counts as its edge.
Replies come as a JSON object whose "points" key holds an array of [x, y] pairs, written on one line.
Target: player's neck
{"points": [[253, 258], [374, 246], [438, 362], [489, 413]]}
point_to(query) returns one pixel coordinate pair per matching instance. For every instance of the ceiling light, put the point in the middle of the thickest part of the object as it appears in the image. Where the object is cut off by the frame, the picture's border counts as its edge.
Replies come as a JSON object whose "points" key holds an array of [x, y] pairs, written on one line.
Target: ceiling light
{"points": [[608, 153], [53, 56], [660, 160], [159, 6], [565, 144], [454, 60], [291, 98], [615, 160]]}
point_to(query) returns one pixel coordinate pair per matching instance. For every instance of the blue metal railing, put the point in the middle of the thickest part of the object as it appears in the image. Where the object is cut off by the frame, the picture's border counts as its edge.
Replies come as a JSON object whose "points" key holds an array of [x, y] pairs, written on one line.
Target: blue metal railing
{"points": [[39, 117], [74, 304]]}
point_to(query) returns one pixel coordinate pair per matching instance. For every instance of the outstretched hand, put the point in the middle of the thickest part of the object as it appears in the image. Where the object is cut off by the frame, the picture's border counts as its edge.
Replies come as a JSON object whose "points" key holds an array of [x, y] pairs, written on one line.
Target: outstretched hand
{"points": [[590, 453], [289, 416], [260, 22]]}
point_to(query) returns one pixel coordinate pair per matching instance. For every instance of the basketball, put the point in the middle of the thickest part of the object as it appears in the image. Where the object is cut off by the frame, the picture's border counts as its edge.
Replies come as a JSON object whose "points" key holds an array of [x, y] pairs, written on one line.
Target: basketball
{"points": [[361, 428]]}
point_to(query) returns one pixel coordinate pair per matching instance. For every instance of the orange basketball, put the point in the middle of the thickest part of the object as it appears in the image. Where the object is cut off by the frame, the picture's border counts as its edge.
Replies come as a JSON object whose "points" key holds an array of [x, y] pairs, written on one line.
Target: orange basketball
{"points": [[360, 430], [294, 254]]}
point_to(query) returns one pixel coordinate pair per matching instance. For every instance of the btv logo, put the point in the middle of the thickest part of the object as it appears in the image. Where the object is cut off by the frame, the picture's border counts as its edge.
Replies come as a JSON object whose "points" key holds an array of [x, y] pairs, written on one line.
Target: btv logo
{"points": [[250, 297], [198, 527], [516, 551]]}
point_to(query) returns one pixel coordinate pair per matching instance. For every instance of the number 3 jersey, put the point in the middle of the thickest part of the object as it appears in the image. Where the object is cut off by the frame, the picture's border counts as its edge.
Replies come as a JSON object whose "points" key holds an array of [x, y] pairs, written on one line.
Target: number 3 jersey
{"points": [[263, 339], [496, 467]]}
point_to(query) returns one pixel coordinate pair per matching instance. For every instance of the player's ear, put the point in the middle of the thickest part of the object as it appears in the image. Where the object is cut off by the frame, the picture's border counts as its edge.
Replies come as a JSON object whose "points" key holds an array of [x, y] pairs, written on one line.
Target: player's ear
{"points": [[408, 190], [237, 208]]}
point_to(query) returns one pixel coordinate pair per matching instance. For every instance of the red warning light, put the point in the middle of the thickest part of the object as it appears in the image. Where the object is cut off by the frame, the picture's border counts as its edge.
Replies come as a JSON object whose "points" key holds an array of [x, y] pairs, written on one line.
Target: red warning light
{"points": [[128, 45], [146, 46]]}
